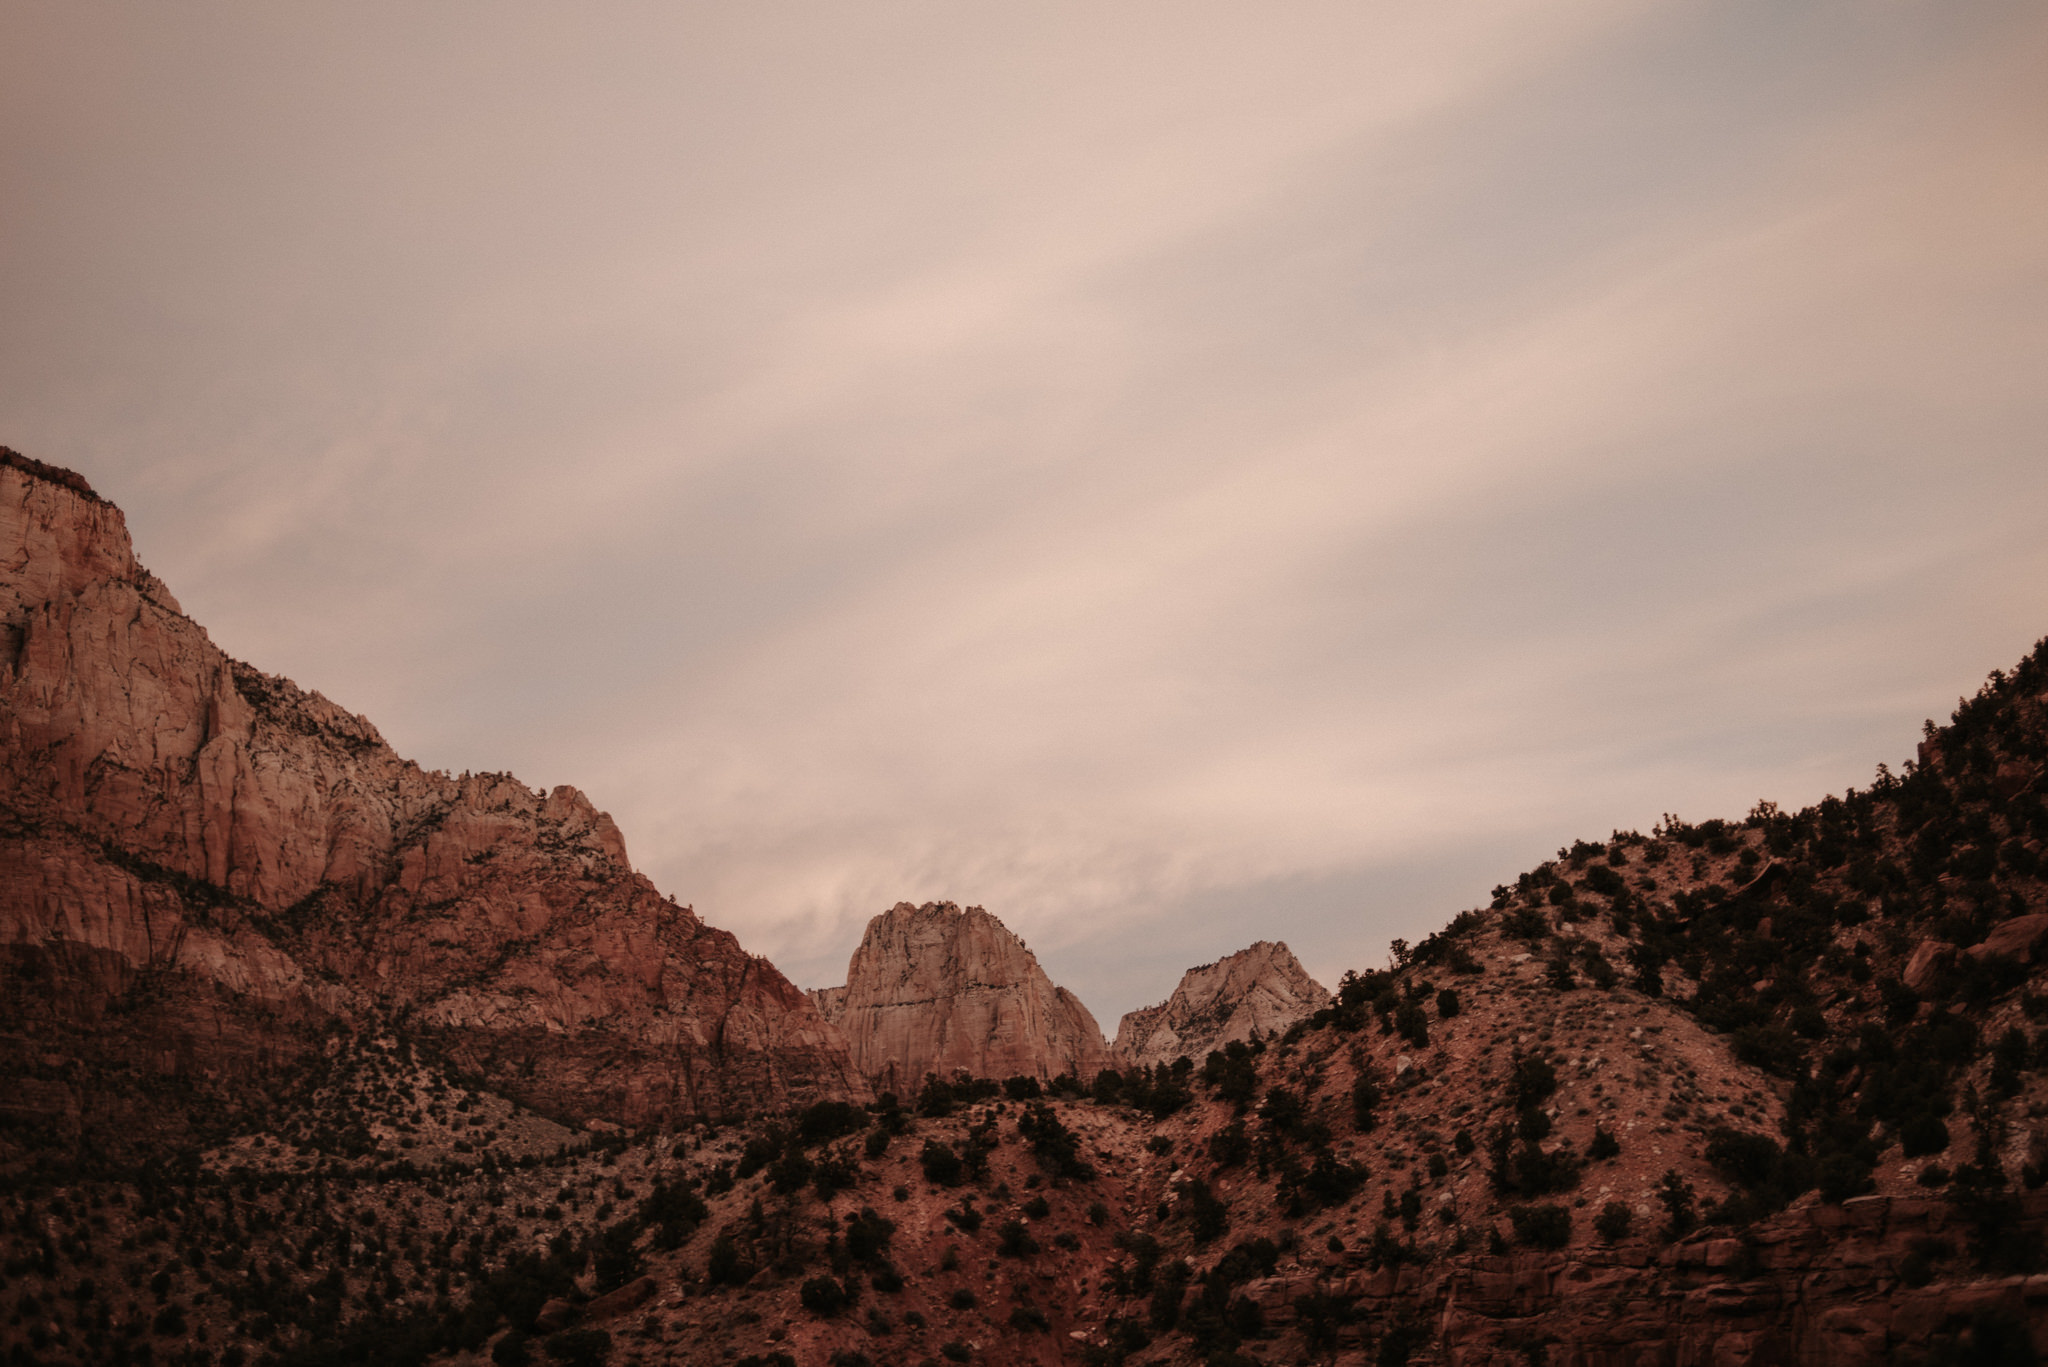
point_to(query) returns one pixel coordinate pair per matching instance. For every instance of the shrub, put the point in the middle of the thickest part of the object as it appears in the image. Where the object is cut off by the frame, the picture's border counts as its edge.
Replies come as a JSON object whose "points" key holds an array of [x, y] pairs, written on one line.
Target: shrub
{"points": [[1365, 1103], [868, 1235], [1208, 1217], [1412, 1025], [1677, 1197], [1447, 1004], [1541, 1226], [942, 1166], [1604, 1144], [823, 1296], [1013, 1240], [1021, 1088], [1056, 1148], [1614, 1221], [580, 1347], [828, 1120], [1922, 1134], [1230, 1145]]}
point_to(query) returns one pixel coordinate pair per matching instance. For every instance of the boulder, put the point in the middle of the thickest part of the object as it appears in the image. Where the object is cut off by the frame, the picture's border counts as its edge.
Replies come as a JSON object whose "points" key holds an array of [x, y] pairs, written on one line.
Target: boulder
{"points": [[631, 1296], [2014, 939], [1929, 959]]}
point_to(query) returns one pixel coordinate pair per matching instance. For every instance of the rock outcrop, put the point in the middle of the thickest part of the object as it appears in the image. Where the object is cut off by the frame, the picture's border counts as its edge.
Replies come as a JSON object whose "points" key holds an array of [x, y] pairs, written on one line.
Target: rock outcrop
{"points": [[1261, 988], [171, 817], [935, 989]]}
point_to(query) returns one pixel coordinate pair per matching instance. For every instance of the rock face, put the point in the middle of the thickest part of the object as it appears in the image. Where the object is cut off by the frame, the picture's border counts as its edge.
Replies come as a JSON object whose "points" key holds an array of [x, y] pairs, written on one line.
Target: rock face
{"points": [[170, 817], [934, 989], [1260, 988]]}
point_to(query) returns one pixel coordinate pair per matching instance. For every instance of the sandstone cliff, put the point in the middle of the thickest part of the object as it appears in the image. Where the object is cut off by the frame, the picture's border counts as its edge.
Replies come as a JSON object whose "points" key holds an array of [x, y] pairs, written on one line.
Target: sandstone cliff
{"points": [[1261, 988], [173, 817], [933, 989]]}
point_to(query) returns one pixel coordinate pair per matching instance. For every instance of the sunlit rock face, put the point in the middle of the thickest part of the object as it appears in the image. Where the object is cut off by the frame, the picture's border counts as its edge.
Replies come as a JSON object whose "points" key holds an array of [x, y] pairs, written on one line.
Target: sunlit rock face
{"points": [[170, 811], [935, 989], [1260, 990]]}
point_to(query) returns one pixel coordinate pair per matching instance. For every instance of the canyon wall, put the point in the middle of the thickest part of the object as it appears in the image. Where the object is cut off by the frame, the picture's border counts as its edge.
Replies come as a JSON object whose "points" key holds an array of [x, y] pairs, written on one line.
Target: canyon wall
{"points": [[168, 814]]}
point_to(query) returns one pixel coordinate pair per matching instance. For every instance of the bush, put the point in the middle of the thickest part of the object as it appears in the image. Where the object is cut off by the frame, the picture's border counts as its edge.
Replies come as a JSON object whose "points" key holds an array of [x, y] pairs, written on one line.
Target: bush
{"points": [[828, 1120], [513, 1350], [1026, 1320], [1365, 1103], [1677, 1197], [942, 1166], [1056, 1148], [1208, 1217], [1412, 1025], [1021, 1088], [824, 1297], [1604, 1144], [1614, 1221], [580, 1347], [1922, 1134], [1447, 1004], [1541, 1226], [1013, 1240], [953, 1350], [1230, 1145]]}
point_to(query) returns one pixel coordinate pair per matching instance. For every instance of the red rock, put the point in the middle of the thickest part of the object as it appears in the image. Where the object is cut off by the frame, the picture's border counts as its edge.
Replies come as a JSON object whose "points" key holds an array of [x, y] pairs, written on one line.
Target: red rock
{"points": [[1258, 990], [933, 989], [1929, 957], [171, 809], [631, 1296], [2013, 939]]}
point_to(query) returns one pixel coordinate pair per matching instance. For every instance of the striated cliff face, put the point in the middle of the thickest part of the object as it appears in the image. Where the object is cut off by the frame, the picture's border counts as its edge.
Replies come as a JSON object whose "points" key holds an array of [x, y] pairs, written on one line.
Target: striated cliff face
{"points": [[1260, 988], [171, 816], [933, 988]]}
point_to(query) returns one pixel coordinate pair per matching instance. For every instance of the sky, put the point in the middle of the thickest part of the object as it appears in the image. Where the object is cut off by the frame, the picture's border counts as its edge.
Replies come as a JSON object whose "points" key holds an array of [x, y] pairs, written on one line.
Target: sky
{"points": [[1172, 474]]}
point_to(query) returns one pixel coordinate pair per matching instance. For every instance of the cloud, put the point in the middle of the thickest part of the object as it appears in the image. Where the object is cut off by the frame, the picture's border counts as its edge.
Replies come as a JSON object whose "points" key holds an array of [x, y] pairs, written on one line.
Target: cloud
{"points": [[1173, 475]]}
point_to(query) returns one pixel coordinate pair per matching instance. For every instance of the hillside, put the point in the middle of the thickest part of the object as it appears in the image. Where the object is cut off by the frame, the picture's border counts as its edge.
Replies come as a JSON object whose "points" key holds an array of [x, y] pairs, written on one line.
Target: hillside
{"points": [[1762, 1090]]}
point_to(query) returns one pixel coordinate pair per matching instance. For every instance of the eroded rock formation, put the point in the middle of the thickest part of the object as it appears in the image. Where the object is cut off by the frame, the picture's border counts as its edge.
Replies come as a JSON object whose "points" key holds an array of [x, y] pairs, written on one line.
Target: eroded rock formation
{"points": [[170, 815], [1262, 988], [933, 989]]}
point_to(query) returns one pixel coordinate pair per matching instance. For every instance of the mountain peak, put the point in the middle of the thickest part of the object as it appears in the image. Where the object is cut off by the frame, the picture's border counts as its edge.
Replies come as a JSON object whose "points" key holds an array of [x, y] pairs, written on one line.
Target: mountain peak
{"points": [[1261, 989], [938, 987]]}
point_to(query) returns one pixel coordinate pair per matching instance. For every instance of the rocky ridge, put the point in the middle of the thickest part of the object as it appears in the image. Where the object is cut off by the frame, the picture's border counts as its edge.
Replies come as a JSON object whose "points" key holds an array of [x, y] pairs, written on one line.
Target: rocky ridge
{"points": [[938, 989], [1763, 1091], [1258, 991], [202, 862]]}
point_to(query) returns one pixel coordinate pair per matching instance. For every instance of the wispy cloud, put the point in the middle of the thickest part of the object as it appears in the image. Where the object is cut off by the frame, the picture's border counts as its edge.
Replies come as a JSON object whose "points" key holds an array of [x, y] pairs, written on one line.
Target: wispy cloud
{"points": [[1172, 474]]}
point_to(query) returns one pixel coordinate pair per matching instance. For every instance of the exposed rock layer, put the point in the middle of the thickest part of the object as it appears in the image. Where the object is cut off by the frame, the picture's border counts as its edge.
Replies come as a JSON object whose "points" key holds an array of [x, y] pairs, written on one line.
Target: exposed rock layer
{"points": [[1260, 988], [167, 810], [933, 989]]}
